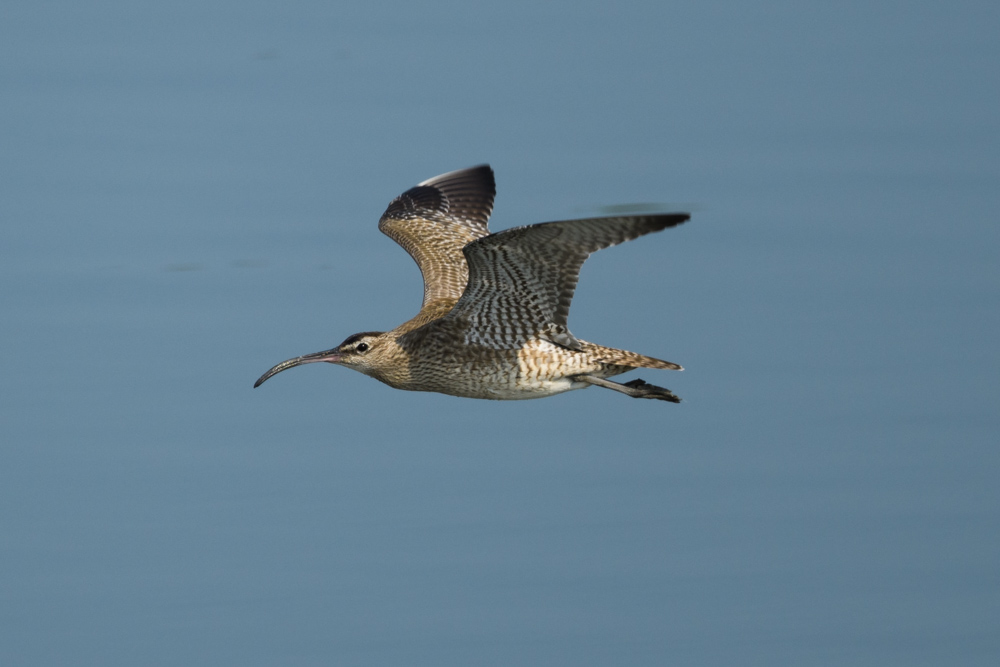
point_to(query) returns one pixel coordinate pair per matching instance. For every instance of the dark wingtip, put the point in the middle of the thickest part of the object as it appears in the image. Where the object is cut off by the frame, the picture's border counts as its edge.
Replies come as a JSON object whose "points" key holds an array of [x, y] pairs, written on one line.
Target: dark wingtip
{"points": [[671, 219], [466, 194]]}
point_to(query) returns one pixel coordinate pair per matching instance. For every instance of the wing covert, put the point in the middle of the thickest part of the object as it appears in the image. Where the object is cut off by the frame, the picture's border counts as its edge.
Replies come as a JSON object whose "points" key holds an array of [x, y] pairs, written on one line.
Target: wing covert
{"points": [[521, 280]]}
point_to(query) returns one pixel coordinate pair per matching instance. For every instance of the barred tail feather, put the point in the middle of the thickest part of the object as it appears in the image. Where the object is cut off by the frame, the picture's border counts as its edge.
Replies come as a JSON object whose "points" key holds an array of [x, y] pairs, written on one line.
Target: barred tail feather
{"points": [[625, 358]]}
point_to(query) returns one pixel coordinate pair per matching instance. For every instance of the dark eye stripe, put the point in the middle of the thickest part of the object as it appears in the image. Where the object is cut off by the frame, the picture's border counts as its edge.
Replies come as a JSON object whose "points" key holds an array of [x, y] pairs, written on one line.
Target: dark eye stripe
{"points": [[351, 340]]}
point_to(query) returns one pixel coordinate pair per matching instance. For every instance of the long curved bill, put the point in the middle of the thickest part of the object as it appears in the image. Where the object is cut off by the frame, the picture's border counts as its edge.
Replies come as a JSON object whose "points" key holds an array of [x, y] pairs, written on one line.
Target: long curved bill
{"points": [[329, 356]]}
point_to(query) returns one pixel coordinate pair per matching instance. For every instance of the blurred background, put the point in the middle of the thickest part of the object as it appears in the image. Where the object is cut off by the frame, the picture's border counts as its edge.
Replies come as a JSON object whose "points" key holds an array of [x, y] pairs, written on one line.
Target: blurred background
{"points": [[189, 194]]}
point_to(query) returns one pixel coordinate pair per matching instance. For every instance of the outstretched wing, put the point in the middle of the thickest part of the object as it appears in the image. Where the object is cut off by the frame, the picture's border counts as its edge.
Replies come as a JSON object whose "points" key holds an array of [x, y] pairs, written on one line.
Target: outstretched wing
{"points": [[522, 280], [434, 221]]}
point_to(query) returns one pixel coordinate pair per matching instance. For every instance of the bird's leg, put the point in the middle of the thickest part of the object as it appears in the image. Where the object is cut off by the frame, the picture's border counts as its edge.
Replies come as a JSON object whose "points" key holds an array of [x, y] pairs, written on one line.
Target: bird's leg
{"points": [[635, 388]]}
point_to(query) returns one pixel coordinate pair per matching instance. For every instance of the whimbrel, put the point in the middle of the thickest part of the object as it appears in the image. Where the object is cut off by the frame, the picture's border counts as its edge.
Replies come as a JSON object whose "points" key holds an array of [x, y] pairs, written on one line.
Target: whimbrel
{"points": [[493, 323]]}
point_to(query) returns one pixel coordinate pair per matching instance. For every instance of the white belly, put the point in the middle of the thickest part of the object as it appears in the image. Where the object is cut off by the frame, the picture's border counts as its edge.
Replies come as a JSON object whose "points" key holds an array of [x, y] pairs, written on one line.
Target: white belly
{"points": [[534, 389]]}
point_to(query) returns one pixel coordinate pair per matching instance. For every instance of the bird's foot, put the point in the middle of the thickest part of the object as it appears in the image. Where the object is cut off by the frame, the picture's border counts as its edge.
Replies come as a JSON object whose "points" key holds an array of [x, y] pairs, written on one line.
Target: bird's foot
{"points": [[635, 388], [642, 389]]}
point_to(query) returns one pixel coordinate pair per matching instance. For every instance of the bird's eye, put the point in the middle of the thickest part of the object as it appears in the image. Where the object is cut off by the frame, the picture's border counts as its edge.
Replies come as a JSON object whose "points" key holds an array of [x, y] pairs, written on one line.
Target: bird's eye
{"points": [[362, 347]]}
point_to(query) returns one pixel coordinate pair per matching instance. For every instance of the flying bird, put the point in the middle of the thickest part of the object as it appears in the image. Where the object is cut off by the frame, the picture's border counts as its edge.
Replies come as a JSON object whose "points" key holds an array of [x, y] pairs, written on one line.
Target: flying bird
{"points": [[493, 323]]}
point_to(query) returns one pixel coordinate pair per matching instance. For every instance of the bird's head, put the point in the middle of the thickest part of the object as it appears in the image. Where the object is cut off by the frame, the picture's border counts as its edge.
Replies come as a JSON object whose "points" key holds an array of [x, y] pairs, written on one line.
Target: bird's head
{"points": [[358, 352]]}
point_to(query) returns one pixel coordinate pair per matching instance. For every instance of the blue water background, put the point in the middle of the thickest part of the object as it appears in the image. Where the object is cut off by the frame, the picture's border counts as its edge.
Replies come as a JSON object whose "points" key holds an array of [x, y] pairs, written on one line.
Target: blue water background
{"points": [[188, 195]]}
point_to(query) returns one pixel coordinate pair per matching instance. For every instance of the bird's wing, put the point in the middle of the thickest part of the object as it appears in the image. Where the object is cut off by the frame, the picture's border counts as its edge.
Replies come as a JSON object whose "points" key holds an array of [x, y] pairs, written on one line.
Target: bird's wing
{"points": [[434, 221], [521, 280]]}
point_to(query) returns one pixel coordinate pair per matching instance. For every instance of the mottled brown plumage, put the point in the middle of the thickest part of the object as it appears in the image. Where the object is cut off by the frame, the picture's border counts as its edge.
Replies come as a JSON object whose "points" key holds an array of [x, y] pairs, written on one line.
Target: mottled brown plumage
{"points": [[493, 323]]}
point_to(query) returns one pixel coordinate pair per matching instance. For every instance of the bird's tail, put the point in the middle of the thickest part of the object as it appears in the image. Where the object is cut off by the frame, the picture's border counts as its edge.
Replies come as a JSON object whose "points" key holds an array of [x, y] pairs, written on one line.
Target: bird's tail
{"points": [[625, 358]]}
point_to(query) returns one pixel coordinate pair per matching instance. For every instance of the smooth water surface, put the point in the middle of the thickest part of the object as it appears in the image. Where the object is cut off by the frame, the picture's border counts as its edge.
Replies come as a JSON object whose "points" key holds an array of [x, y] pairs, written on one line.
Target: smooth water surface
{"points": [[190, 194]]}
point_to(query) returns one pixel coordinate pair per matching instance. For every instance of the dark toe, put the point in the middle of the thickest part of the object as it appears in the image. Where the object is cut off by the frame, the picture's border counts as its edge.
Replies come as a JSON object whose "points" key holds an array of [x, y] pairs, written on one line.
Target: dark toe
{"points": [[646, 390]]}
